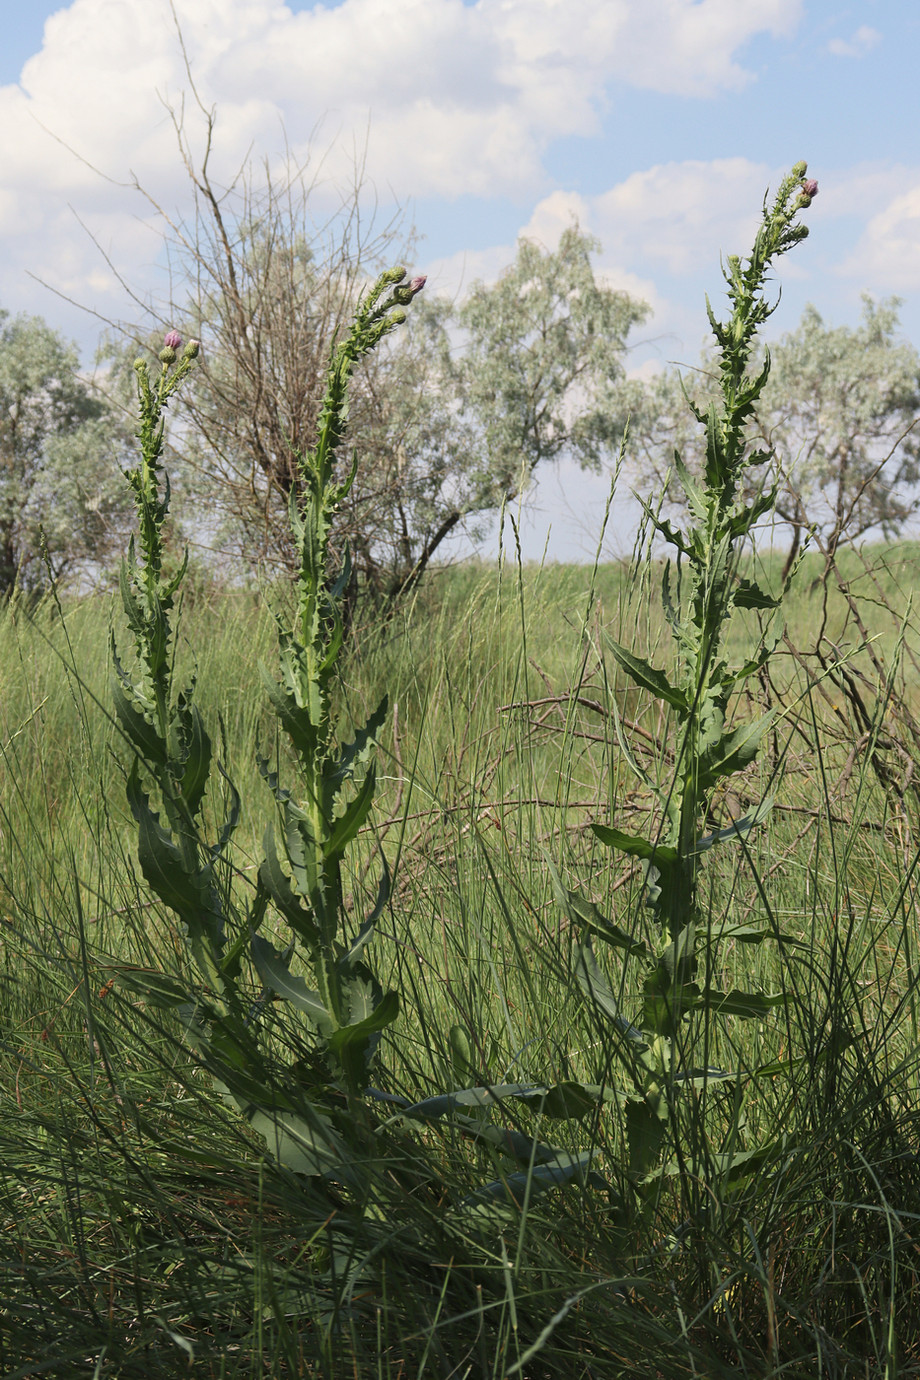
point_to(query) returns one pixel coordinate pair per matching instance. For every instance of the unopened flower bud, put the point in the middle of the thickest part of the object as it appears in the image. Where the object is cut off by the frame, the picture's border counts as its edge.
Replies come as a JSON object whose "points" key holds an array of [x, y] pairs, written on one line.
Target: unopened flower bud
{"points": [[418, 283], [140, 364], [810, 187], [191, 349], [800, 169], [167, 355], [172, 340], [397, 317]]}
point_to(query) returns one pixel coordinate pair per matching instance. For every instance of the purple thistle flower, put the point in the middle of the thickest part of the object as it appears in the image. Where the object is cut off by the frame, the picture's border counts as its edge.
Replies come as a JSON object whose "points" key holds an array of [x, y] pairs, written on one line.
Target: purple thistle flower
{"points": [[810, 187], [418, 283], [172, 340]]}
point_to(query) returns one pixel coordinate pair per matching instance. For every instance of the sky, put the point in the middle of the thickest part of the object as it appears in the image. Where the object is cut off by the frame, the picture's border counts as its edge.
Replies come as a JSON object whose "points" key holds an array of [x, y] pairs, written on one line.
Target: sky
{"points": [[657, 124]]}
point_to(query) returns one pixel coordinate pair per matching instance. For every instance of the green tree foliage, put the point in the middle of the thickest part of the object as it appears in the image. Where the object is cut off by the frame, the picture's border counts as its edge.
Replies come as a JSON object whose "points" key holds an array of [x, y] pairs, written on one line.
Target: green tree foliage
{"points": [[840, 411], [59, 445], [522, 372]]}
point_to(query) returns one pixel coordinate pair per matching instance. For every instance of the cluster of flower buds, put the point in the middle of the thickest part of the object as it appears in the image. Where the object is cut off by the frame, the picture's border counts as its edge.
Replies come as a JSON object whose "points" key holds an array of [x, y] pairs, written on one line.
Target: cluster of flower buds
{"points": [[172, 342], [404, 294], [809, 186]]}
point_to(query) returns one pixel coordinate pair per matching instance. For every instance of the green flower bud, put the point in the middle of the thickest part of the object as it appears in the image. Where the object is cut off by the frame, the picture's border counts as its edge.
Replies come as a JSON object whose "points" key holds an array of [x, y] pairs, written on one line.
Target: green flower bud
{"points": [[191, 349], [800, 169], [167, 355], [397, 317], [140, 364]]}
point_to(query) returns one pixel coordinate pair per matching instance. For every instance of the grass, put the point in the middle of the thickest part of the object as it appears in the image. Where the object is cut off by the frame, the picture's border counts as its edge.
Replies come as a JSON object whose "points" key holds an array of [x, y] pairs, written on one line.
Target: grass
{"points": [[146, 1233]]}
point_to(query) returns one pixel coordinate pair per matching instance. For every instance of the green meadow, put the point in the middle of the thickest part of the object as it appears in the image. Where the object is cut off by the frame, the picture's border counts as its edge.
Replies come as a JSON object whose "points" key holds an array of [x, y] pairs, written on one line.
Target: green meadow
{"points": [[145, 1229]]}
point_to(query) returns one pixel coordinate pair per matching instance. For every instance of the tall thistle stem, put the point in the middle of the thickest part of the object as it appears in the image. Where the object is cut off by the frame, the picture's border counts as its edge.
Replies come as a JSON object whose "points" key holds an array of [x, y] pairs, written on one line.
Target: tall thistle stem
{"points": [[701, 591]]}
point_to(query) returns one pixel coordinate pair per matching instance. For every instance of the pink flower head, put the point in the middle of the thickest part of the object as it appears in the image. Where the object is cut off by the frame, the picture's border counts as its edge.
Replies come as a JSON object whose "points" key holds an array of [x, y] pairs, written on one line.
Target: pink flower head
{"points": [[172, 340], [418, 283], [810, 187]]}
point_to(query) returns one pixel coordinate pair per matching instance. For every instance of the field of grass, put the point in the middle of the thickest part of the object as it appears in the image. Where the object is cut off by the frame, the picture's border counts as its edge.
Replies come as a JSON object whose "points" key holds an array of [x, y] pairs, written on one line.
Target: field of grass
{"points": [[148, 1231]]}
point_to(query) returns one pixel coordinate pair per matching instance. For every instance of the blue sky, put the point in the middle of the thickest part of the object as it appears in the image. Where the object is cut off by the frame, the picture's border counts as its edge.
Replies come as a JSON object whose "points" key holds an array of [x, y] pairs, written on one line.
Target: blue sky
{"points": [[658, 123]]}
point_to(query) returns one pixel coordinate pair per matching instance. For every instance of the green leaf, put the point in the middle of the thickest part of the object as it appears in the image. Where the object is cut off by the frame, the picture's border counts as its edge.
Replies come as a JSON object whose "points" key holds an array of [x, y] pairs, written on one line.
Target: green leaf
{"points": [[556, 1173], [520, 1147], [294, 719], [586, 913], [635, 847], [161, 860], [307, 1147], [756, 934], [275, 973], [366, 932], [738, 827], [358, 752], [696, 497], [579, 911], [487, 1096], [141, 732], [646, 1128], [279, 888], [598, 990], [197, 748], [748, 595], [161, 989], [733, 752], [352, 1044], [345, 829], [749, 1005], [663, 527], [648, 678]]}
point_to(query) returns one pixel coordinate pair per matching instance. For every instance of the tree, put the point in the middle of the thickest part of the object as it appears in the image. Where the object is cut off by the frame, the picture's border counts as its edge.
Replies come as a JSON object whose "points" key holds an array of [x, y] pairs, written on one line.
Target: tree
{"points": [[840, 409], [522, 372], [451, 421], [59, 471], [268, 290]]}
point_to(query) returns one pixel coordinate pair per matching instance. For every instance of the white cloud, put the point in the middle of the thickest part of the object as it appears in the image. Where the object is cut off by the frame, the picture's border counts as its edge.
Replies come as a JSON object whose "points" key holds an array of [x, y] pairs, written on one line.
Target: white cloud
{"points": [[862, 42], [452, 100], [887, 256], [677, 215], [461, 99]]}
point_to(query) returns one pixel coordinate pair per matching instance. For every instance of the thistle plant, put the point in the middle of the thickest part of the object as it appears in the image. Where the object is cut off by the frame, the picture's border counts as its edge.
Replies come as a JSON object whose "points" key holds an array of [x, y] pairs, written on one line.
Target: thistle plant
{"points": [[320, 813], [701, 593], [335, 779]]}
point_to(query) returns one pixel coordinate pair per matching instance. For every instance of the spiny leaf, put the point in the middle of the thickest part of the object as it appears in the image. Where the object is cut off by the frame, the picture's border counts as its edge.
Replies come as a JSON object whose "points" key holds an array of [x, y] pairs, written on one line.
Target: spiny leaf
{"points": [[738, 827], [646, 1128], [748, 595], [275, 973], [593, 982], [358, 752], [294, 719], [556, 1173], [635, 847], [161, 989], [580, 911], [648, 678], [345, 829], [733, 752], [162, 862], [197, 758], [284, 897], [750, 1005], [141, 732], [366, 932]]}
